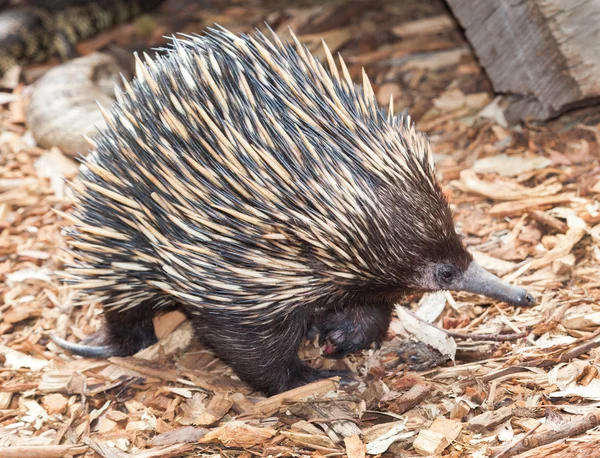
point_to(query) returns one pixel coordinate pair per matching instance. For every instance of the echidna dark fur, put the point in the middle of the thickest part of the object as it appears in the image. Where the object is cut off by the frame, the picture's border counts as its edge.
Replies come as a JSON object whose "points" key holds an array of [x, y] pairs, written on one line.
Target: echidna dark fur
{"points": [[262, 193]]}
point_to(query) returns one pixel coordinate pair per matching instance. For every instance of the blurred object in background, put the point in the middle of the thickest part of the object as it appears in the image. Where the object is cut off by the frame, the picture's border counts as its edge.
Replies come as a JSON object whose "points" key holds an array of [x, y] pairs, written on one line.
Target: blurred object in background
{"points": [[543, 54], [64, 103], [38, 30]]}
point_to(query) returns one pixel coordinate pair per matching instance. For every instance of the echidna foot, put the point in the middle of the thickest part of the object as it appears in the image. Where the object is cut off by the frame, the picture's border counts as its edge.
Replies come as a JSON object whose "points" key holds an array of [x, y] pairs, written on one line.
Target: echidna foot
{"points": [[124, 334], [340, 342], [346, 377], [354, 328]]}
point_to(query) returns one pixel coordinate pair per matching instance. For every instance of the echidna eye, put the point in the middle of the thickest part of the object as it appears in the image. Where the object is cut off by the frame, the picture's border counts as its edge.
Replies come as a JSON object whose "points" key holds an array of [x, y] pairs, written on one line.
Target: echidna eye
{"points": [[446, 274]]}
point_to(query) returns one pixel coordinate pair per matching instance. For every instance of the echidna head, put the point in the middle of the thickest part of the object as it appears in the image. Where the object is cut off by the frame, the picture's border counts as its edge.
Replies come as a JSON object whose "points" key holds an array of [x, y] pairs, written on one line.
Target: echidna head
{"points": [[414, 244], [474, 279]]}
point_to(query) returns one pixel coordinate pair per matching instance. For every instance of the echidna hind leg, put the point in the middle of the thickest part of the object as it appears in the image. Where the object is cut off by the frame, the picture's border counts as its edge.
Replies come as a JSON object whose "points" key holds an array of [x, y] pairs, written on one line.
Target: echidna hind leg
{"points": [[353, 328], [123, 333], [265, 355], [130, 331]]}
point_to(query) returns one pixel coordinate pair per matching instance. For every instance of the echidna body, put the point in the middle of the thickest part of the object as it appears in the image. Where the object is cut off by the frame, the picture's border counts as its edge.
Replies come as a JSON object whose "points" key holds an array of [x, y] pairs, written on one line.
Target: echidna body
{"points": [[242, 181]]}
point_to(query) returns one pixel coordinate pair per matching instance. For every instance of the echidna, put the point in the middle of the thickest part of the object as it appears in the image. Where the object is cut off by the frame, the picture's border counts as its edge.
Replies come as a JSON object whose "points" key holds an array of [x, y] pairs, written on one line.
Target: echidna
{"points": [[242, 181]]}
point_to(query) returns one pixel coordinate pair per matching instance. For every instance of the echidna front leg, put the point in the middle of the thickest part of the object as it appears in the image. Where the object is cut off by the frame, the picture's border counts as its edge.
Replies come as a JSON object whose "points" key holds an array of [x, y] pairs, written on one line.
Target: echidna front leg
{"points": [[124, 333], [354, 327], [264, 355]]}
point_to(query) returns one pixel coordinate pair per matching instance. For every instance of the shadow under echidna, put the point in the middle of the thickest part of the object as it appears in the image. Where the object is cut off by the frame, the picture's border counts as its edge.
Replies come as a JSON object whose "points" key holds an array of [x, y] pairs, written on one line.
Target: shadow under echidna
{"points": [[263, 194]]}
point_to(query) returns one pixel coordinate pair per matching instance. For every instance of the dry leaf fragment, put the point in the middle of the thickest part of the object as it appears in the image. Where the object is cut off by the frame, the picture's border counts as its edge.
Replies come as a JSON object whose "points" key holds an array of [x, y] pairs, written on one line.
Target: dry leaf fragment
{"points": [[5, 399], [184, 434], [17, 360], [503, 189], [166, 323], [169, 451], [581, 317], [450, 100], [70, 381], [525, 205], [175, 341], [495, 112], [192, 409], [56, 166], [510, 166], [590, 391], [427, 333], [382, 443], [214, 382], [431, 306], [29, 274], [107, 451], [238, 434]]}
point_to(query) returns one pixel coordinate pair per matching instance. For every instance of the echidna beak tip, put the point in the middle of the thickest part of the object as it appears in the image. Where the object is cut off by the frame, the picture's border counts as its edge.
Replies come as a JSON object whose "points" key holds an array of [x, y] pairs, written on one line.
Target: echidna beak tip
{"points": [[526, 300], [478, 280]]}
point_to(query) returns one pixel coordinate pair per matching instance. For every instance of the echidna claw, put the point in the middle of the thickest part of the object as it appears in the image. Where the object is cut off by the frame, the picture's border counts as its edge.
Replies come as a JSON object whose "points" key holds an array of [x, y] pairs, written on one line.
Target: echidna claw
{"points": [[346, 377], [87, 351]]}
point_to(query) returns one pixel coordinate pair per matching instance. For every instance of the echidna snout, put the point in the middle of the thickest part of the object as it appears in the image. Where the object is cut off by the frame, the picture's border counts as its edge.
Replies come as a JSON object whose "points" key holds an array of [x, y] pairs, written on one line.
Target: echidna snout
{"points": [[478, 280], [473, 279]]}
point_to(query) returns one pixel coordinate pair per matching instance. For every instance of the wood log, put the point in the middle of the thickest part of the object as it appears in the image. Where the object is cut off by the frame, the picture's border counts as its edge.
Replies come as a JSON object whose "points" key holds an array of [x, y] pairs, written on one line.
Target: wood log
{"points": [[543, 54]]}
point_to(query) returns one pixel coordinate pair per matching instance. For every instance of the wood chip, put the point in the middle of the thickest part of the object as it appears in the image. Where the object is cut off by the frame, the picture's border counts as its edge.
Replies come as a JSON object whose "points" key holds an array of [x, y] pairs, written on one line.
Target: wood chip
{"points": [[489, 420], [355, 448], [238, 434], [55, 403], [218, 406], [437, 437], [411, 398], [311, 391]]}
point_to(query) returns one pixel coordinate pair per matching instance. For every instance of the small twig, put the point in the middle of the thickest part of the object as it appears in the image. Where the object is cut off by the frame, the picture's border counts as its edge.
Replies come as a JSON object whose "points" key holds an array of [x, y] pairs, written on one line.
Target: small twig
{"points": [[573, 428], [501, 373], [493, 337], [331, 420], [507, 322], [467, 335], [592, 343], [508, 451]]}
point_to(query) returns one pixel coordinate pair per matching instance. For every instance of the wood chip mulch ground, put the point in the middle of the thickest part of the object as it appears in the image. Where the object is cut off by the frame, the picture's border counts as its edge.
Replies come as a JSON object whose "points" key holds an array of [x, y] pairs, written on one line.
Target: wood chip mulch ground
{"points": [[499, 381]]}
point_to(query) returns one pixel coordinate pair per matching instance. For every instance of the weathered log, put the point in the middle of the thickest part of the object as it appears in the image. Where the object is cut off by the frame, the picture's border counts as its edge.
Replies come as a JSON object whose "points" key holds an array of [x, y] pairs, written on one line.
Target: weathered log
{"points": [[542, 53]]}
